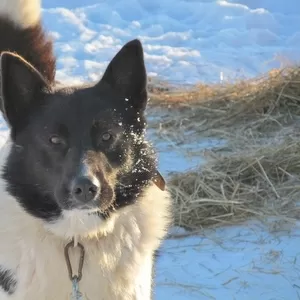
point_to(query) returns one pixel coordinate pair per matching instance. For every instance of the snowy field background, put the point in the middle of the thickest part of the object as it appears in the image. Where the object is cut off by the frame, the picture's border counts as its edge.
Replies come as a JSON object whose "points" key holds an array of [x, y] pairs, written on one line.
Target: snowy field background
{"points": [[186, 41]]}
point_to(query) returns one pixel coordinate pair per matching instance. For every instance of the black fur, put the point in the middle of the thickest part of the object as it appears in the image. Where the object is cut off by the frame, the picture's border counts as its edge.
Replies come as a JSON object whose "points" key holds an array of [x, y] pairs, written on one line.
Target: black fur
{"points": [[32, 44], [39, 173], [7, 281]]}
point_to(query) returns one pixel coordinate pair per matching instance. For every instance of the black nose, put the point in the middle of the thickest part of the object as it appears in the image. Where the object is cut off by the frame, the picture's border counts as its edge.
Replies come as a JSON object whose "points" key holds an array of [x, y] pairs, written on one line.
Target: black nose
{"points": [[85, 189]]}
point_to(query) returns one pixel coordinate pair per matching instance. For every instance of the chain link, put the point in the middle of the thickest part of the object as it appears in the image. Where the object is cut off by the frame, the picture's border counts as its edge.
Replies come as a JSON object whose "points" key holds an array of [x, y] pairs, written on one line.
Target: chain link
{"points": [[81, 260]]}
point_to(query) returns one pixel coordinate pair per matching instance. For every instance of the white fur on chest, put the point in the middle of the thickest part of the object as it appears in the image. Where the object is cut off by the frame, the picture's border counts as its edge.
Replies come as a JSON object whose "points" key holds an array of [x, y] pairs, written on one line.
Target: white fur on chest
{"points": [[110, 267], [42, 273]]}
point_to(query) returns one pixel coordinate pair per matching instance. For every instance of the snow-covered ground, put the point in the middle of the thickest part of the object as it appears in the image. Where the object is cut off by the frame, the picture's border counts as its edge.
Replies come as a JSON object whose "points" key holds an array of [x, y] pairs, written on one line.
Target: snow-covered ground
{"points": [[186, 41], [234, 263]]}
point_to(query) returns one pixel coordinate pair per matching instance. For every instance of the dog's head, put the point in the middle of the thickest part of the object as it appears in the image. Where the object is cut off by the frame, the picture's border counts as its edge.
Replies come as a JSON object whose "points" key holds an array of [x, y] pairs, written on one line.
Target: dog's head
{"points": [[77, 150]]}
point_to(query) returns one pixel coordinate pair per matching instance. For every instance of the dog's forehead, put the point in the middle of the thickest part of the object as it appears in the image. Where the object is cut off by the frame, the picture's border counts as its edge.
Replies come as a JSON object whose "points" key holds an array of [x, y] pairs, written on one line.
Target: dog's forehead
{"points": [[83, 106], [86, 101]]}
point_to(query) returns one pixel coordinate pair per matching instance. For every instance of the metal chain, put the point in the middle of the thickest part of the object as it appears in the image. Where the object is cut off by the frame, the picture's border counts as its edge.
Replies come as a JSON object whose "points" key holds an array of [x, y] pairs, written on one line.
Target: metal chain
{"points": [[76, 295]]}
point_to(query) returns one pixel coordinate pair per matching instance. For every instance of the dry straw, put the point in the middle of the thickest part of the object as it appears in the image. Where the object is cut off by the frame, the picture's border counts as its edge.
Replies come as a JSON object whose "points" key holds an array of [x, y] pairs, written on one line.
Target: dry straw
{"points": [[270, 99], [258, 182], [254, 177]]}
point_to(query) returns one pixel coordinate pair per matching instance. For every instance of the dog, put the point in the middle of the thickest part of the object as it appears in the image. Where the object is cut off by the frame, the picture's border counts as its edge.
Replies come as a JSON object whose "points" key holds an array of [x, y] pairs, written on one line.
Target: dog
{"points": [[83, 208]]}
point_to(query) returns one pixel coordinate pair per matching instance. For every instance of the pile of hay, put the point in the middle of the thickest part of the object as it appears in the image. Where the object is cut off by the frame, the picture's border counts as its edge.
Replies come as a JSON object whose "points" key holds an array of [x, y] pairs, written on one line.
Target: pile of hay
{"points": [[257, 182], [258, 173], [271, 100]]}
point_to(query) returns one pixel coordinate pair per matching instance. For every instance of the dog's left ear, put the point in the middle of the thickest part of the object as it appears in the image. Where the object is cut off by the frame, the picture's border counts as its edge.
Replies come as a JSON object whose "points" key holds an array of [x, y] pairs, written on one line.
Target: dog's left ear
{"points": [[126, 73]]}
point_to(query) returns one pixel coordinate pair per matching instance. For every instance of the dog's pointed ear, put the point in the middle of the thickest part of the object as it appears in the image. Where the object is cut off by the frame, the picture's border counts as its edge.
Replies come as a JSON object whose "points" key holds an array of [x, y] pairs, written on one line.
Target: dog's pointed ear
{"points": [[126, 73], [22, 87]]}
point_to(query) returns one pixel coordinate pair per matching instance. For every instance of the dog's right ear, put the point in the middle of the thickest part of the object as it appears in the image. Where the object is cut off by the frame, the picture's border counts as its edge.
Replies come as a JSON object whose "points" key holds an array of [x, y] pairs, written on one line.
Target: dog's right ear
{"points": [[22, 89]]}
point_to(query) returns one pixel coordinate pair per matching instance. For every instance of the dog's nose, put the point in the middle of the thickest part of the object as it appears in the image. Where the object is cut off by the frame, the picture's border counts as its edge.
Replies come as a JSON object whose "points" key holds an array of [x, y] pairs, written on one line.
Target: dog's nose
{"points": [[85, 189]]}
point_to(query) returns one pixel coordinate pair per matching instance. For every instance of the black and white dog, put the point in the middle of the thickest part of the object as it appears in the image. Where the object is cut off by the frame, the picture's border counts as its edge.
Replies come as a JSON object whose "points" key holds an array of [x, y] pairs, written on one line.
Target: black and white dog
{"points": [[76, 169]]}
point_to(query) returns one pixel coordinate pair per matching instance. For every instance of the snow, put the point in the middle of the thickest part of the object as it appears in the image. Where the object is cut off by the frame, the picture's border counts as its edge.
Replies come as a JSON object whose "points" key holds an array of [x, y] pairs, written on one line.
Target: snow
{"points": [[186, 41], [182, 154], [240, 262]]}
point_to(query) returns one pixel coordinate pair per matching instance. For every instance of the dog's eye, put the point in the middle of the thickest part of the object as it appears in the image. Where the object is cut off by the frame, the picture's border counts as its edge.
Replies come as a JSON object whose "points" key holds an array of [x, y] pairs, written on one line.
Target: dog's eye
{"points": [[56, 140], [106, 136]]}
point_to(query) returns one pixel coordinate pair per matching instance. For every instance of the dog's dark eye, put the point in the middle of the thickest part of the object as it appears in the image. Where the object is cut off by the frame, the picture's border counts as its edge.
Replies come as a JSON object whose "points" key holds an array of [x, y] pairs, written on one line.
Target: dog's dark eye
{"points": [[106, 136], [56, 140]]}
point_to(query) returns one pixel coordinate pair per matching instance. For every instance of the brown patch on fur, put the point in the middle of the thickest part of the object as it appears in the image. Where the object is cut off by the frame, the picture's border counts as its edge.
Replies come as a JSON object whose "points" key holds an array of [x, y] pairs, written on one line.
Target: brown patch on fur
{"points": [[33, 44], [97, 163], [159, 181]]}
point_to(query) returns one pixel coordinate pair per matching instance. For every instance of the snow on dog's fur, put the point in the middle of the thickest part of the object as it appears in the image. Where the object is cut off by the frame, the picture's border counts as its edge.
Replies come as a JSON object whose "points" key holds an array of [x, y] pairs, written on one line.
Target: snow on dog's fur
{"points": [[76, 165]]}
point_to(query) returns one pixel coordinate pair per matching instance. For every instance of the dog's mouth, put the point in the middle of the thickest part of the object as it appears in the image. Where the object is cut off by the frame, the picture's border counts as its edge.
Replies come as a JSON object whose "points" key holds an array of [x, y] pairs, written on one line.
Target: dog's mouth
{"points": [[71, 204], [94, 208], [91, 212], [87, 209]]}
